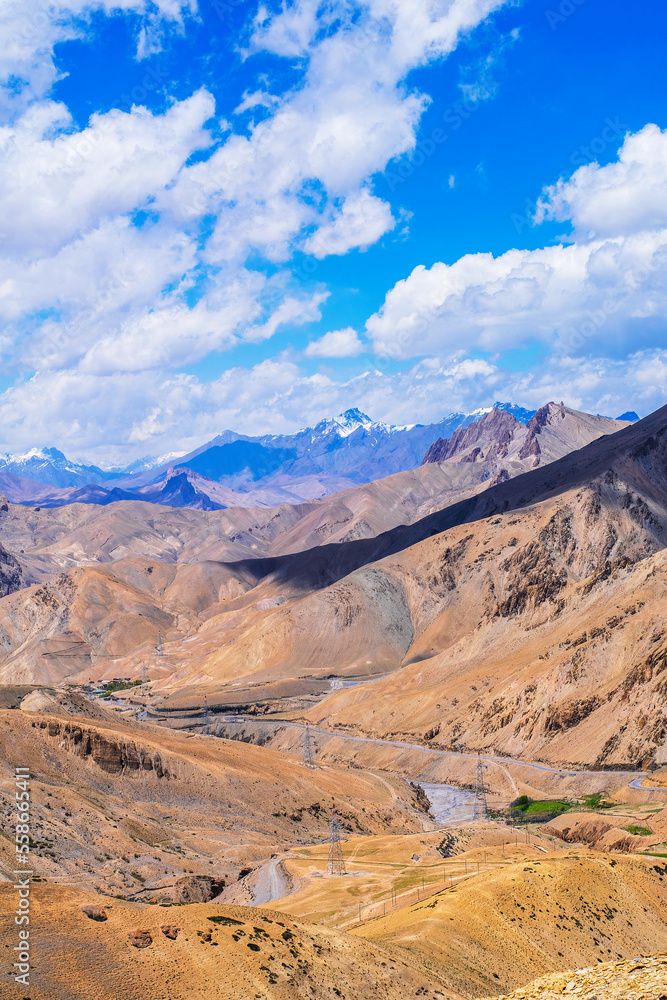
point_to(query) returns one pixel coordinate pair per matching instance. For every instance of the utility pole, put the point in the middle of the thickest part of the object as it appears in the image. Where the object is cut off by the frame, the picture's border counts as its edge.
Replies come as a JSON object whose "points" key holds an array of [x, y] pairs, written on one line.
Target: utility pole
{"points": [[308, 760], [335, 864], [205, 728], [158, 645], [144, 681], [480, 810]]}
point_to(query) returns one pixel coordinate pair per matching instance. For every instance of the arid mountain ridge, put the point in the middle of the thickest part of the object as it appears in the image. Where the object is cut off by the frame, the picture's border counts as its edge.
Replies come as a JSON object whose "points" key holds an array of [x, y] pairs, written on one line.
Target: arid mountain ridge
{"points": [[439, 604], [237, 470]]}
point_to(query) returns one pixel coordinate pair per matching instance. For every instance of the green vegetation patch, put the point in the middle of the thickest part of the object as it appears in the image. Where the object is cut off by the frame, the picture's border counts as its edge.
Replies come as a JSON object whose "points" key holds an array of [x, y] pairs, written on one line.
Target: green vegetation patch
{"points": [[119, 686], [225, 921], [637, 830], [526, 810], [547, 806], [597, 800]]}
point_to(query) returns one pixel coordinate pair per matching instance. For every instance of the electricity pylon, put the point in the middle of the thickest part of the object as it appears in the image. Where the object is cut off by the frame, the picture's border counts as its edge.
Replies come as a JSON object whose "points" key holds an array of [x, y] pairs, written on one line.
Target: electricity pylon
{"points": [[308, 760], [204, 728], [335, 864], [144, 681], [480, 810]]}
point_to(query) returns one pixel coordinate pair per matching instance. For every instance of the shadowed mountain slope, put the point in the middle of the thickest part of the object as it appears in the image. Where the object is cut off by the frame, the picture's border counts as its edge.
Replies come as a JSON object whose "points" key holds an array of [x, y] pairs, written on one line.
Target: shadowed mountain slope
{"points": [[482, 600]]}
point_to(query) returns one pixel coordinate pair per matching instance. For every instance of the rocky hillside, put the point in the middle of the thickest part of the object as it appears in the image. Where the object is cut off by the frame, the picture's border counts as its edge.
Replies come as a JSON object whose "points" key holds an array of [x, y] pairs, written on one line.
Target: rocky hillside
{"points": [[524, 618], [644, 977], [553, 431], [131, 808], [10, 572], [96, 946]]}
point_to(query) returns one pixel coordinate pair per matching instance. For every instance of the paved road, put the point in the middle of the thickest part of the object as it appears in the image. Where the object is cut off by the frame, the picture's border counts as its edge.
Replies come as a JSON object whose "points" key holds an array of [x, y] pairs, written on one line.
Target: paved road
{"points": [[640, 783], [415, 746]]}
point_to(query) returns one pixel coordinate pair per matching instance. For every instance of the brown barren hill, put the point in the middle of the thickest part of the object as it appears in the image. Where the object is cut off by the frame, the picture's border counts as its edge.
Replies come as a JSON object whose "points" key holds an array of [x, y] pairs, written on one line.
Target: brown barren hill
{"points": [[219, 953], [132, 808], [492, 594], [496, 932], [499, 439]]}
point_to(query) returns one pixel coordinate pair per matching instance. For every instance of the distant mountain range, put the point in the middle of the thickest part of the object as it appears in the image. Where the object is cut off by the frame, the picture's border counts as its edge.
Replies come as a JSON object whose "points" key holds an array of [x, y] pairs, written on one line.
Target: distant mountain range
{"points": [[236, 469]]}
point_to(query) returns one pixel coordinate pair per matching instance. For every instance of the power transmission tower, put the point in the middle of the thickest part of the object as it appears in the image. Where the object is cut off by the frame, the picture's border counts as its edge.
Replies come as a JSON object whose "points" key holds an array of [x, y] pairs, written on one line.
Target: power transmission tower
{"points": [[158, 645], [335, 864], [480, 808], [144, 681], [204, 728], [308, 760], [89, 689]]}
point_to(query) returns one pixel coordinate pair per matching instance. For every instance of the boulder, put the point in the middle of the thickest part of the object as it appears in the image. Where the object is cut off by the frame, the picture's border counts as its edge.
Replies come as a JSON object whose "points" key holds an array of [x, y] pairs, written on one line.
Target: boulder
{"points": [[140, 939]]}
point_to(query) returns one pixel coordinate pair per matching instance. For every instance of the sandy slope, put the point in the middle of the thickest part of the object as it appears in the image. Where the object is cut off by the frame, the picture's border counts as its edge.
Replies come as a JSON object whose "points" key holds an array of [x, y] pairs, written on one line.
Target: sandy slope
{"points": [[131, 808], [497, 931], [523, 618], [250, 954]]}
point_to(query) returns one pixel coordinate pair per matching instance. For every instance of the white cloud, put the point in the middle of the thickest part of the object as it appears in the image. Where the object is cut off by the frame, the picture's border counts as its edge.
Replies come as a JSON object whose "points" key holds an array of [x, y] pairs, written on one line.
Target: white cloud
{"points": [[124, 415], [335, 344], [626, 196], [30, 32], [309, 165], [607, 293], [256, 99], [92, 290], [361, 221], [53, 187]]}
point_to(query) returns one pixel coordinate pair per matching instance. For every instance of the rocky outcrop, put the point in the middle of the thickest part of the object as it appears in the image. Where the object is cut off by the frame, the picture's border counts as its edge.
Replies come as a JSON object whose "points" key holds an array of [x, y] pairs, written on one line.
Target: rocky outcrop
{"points": [[111, 755], [10, 572], [95, 913], [495, 431], [551, 413], [140, 939], [196, 889], [641, 977]]}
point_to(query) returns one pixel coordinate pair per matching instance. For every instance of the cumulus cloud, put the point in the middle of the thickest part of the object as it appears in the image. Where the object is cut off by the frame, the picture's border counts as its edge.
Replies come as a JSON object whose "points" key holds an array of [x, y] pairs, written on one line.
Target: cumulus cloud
{"points": [[301, 177], [110, 267], [123, 416], [624, 197], [30, 31], [600, 293], [56, 184], [335, 344], [361, 221]]}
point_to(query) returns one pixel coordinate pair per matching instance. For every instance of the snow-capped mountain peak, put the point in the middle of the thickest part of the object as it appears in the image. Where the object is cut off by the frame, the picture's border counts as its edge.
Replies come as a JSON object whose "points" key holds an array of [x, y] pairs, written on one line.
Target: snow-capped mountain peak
{"points": [[344, 424]]}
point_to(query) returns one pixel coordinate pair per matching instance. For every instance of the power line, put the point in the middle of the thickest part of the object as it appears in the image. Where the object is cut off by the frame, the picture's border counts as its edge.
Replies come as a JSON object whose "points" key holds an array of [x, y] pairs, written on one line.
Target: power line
{"points": [[308, 760], [480, 809], [335, 864]]}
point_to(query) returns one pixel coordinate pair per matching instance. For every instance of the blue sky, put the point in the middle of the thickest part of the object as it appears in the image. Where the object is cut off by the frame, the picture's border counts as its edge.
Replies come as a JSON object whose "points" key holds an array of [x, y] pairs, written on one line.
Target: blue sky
{"points": [[249, 215]]}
